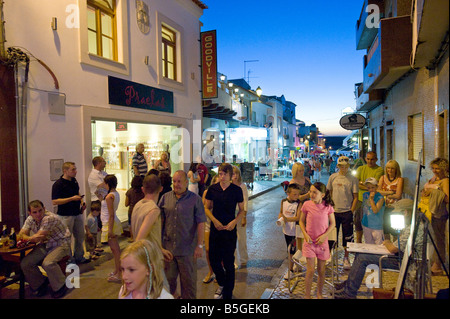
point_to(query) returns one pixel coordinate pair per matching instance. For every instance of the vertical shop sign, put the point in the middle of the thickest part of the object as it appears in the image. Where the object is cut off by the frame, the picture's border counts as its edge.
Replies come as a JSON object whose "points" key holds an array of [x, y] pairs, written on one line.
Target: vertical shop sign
{"points": [[209, 64]]}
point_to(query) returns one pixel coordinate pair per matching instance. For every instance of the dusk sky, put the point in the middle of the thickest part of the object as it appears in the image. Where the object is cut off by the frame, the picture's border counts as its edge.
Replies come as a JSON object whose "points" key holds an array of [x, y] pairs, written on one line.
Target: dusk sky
{"points": [[306, 52]]}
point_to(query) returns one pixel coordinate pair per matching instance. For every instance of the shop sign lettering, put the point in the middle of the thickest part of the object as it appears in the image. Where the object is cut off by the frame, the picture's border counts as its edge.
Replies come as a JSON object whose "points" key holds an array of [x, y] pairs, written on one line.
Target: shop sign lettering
{"points": [[209, 64], [132, 94]]}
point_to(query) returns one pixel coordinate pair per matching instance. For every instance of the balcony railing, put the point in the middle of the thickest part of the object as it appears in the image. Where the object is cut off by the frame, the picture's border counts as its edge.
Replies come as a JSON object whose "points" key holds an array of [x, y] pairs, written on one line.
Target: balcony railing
{"points": [[390, 54]]}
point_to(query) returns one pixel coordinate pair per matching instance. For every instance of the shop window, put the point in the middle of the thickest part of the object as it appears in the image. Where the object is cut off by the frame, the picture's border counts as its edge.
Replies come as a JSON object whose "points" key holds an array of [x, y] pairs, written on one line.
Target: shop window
{"points": [[102, 40], [415, 136]]}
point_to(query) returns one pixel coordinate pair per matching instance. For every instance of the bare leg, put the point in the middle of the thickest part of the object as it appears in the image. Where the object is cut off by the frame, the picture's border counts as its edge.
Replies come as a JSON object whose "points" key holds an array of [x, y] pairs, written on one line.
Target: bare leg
{"points": [[321, 277], [310, 264]]}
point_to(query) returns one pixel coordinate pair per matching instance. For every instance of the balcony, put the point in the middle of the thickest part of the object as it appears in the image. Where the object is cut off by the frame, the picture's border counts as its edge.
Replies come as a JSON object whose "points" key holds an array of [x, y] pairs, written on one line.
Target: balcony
{"points": [[367, 101], [388, 58], [364, 34], [431, 21]]}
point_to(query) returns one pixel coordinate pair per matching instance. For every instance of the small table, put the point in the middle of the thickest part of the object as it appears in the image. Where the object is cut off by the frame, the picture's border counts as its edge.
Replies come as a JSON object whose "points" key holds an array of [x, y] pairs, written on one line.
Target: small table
{"points": [[4, 251]]}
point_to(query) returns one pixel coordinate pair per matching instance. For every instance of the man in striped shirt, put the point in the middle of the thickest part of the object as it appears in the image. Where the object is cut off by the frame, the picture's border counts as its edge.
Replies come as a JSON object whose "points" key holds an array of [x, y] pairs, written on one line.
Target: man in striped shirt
{"points": [[53, 243], [139, 163]]}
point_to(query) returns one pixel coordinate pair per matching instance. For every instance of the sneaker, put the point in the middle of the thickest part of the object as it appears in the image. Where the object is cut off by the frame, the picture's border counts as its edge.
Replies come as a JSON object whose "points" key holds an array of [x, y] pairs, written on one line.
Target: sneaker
{"points": [[42, 290], [218, 293], [342, 295], [59, 293], [347, 265], [339, 286], [83, 261]]}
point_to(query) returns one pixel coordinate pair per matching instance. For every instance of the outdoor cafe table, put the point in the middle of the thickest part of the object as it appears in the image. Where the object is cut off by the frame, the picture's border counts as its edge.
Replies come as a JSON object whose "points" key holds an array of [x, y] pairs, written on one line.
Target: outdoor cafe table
{"points": [[6, 253]]}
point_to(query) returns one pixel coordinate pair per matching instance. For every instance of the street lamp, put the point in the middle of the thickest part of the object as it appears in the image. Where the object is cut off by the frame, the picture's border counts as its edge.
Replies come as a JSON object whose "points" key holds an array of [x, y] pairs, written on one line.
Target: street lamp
{"points": [[258, 91], [398, 223]]}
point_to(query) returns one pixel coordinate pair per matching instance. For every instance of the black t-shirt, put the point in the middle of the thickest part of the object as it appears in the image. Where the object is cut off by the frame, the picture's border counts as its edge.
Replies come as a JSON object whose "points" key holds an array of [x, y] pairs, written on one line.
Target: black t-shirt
{"points": [[224, 202], [64, 188]]}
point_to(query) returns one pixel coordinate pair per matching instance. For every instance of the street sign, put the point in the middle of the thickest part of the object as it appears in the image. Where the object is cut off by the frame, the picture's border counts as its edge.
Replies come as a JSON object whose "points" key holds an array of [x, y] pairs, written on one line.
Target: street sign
{"points": [[352, 121]]}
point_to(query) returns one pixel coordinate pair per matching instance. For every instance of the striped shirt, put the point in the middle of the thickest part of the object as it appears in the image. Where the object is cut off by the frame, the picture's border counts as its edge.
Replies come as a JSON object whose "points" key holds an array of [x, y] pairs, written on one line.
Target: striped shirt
{"points": [[58, 234], [141, 163]]}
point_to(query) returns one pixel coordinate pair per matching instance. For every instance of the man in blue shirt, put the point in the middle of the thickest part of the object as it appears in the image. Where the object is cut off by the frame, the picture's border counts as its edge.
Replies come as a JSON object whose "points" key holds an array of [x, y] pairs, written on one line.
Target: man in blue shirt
{"points": [[183, 220]]}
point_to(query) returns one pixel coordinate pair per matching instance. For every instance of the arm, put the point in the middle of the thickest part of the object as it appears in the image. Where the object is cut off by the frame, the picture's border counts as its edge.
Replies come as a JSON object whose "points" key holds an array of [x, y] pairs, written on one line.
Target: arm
{"points": [[135, 170], [208, 212], [302, 223], [231, 225], [399, 191], [445, 189], [390, 246], [375, 207], [355, 201], [62, 201], [110, 205], [331, 226], [200, 237], [245, 194]]}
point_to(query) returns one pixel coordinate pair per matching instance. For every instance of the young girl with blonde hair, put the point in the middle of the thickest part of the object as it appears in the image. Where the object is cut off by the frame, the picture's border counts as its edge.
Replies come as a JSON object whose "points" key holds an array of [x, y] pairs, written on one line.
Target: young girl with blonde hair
{"points": [[142, 272]]}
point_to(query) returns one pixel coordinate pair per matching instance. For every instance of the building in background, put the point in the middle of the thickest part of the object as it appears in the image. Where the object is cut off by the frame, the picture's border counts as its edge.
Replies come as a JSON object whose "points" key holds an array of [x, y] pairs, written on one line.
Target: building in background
{"points": [[405, 88], [103, 76]]}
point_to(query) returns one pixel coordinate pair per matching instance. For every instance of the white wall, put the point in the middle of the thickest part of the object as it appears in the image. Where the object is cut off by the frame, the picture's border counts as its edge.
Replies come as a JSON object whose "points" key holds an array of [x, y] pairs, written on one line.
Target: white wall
{"points": [[28, 25]]}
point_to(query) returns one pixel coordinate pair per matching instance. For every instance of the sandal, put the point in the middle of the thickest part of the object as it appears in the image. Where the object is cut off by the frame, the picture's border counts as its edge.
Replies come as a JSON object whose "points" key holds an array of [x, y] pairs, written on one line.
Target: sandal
{"points": [[114, 278], [207, 279]]}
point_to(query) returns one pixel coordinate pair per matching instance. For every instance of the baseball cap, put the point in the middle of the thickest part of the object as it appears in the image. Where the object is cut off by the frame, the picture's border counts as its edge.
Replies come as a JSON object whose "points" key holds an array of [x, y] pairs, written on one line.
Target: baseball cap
{"points": [[371, 180], [343, 160]]}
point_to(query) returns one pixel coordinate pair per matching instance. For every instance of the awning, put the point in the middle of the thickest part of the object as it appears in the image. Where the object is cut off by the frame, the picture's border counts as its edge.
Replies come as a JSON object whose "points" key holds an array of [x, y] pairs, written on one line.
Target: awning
{"points": [[214, 110]]}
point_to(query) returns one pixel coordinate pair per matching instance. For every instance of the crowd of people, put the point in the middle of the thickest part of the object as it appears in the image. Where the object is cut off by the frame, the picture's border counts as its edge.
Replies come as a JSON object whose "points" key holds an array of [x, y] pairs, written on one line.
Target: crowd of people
{"points": [[362, 204], [173, 218]]}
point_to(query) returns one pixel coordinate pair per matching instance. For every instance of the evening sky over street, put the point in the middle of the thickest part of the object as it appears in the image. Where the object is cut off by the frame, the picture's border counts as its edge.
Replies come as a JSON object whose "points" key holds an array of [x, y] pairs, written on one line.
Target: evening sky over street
{"points": [[306, 51]]}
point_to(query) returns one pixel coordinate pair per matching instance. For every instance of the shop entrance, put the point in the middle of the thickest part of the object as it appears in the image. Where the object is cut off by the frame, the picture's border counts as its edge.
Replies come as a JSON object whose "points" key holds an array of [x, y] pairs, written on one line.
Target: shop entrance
{"points": [[116, 142]]}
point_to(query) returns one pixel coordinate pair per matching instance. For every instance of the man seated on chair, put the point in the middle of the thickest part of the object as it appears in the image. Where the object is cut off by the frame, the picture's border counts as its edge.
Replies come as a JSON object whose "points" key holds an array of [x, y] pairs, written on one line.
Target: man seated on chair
{"points": [[52, 239], [349, 289]]}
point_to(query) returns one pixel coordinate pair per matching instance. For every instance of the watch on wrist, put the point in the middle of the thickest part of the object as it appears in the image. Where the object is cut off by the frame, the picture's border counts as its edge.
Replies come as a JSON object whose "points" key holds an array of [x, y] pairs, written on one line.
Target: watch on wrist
{"points": [[200, 246]]}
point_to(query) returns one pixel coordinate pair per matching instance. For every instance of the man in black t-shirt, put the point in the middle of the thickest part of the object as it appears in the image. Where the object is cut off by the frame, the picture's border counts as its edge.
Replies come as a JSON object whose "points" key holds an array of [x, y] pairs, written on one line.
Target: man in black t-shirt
{"points": [[221, 201], [66, 195]]}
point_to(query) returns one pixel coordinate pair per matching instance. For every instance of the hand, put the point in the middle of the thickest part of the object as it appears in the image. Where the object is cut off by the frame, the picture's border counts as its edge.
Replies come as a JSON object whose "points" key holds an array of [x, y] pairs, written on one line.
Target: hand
{"points": [[320, 240], [198, 252], [372, 195], [308, 239], [231, 225], [218, 225], [76, 198], [167, 255], [243, 221]]}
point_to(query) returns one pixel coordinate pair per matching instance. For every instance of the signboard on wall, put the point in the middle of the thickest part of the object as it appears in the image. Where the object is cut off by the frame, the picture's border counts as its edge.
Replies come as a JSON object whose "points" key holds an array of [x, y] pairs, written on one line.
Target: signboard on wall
{"points": [[352, 121], [131, 94], [209, 64]]}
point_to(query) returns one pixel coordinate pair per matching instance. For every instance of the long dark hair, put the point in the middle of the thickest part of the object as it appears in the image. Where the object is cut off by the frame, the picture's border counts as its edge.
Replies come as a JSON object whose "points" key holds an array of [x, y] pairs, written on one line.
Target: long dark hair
{"points": [[111, 181], [323, 189]]}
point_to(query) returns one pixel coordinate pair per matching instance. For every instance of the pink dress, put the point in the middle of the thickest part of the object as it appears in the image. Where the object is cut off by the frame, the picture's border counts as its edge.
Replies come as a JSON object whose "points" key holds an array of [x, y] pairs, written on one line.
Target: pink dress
{"points": [[317, 222]]}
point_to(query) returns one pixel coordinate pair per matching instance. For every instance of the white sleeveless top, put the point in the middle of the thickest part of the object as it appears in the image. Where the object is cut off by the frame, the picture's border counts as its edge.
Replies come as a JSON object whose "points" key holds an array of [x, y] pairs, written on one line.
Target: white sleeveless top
{"points": [[104, 215]]}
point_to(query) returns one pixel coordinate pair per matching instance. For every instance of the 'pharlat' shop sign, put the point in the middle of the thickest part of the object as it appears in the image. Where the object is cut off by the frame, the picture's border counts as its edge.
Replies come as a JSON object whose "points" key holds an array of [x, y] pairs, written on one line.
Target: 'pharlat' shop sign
{"points": [[209, 64]]}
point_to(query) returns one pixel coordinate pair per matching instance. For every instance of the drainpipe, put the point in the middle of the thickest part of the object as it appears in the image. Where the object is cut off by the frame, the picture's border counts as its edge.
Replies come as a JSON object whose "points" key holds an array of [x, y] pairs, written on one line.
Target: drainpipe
{"points": [[2, 34], [436, 112]]}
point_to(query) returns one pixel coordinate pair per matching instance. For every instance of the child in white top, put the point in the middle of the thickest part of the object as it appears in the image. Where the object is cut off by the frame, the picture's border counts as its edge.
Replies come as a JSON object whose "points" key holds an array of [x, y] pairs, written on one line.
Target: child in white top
{"points": [[142, 272], [290, 213]]}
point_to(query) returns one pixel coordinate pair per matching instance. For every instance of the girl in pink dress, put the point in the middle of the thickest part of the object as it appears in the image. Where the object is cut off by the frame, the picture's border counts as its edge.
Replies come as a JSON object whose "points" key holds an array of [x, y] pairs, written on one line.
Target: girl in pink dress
{"points": [[316, 222]]}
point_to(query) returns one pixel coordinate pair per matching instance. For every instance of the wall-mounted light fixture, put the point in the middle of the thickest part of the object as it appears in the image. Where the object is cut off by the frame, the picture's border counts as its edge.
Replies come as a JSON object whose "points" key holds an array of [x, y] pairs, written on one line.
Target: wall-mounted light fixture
{"points": [[54, 24]]}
